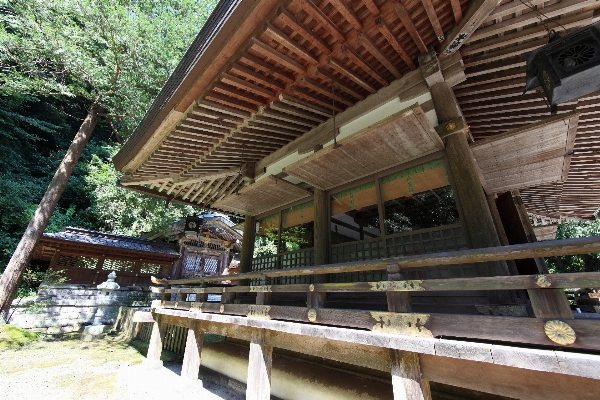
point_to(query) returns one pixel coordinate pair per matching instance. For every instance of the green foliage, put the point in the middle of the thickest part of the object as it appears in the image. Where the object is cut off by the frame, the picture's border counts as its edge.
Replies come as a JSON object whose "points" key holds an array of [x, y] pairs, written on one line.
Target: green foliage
{"points": [[124, 211], [56, 57], [33, 276], [12, 337], [577, 263]]}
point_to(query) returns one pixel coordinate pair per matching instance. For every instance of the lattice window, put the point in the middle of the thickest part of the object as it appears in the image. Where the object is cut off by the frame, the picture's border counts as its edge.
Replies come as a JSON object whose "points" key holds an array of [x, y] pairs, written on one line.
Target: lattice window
{"points": [[358, 251], [118, 265], [211, 266], [148, 268], [76, 262]]}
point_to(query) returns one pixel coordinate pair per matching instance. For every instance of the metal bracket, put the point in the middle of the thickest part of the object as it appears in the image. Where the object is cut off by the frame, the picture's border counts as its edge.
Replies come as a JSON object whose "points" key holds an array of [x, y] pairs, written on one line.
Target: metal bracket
{"points": [[408, 324], [258, 311]]}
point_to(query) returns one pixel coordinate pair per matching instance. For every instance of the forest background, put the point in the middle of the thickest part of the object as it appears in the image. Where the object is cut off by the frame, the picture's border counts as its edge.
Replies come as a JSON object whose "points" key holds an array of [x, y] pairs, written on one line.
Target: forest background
{"points": [[38, 120]]}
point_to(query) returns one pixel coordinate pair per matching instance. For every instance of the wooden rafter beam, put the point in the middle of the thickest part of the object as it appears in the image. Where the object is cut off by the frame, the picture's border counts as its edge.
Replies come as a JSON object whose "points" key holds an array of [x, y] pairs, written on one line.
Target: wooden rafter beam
{"points": [[223, 109], [304, 31], [318, 15], [286, 117], [473, 18], [386, 32], [234, 92], [374, 50], [346, 88], [347, 13], [247, 86], [324, 90], [339, 67], [293, 101], [457, 11], [433, 18], [272, 53], [301, 92], [351, 54], [252, 75], [286, 41], [230, 102], [264, 66], [410, 27], [299, 112], [372, 7]]}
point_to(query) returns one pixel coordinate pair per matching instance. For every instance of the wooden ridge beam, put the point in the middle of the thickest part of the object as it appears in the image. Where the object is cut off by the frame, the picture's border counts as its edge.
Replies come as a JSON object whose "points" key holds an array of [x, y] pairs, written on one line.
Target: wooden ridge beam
{"points": [[374, 50]]}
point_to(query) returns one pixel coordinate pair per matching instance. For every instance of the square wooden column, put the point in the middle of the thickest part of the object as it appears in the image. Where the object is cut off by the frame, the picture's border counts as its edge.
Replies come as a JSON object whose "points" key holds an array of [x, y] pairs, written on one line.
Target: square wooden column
{"points": [[405, 366], [321, 246], [247, 244], [259, 368], [193, 352], [156, 342]]}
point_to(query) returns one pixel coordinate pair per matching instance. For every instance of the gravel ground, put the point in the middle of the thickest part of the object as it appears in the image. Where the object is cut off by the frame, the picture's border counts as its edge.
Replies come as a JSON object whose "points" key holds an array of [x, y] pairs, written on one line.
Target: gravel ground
{"points": [[107, 369]]}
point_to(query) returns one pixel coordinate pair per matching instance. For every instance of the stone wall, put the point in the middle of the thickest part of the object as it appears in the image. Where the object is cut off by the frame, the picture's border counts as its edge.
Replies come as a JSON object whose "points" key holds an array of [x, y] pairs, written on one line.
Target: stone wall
{"points": [[63, 308]]}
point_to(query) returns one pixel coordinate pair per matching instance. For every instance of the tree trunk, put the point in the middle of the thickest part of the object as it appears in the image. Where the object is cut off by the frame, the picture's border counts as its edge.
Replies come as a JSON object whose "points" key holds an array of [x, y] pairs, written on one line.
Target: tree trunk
{"points": [[24, 251]]}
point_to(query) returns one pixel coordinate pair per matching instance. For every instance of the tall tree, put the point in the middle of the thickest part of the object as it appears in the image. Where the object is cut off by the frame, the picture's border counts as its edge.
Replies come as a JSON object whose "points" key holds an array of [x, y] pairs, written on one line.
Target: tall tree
{"points": [[111, 54]]}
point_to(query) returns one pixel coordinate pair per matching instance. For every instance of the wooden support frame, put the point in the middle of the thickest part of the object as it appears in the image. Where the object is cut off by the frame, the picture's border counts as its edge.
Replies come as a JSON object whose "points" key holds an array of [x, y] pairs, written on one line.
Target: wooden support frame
{"points": [[159, 329], [193, 352], [259, 367]]}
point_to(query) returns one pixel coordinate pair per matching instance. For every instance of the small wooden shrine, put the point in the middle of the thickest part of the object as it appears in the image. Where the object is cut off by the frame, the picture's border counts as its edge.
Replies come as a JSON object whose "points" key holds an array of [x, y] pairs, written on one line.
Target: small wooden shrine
{"points": [[391, 176], [87, 257]]}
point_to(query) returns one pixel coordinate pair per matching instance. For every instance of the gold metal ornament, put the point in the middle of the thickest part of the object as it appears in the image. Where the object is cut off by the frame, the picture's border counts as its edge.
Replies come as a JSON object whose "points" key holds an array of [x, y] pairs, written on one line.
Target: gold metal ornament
{"points": [[259, 311], [543, 281], [559, 332], [450, 126], [222, 308], [312, 315], [311, 287]]}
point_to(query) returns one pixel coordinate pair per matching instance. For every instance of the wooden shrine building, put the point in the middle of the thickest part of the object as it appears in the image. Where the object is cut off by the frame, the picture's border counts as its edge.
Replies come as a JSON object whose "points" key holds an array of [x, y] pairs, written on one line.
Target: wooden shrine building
{"points": [[87, 257], [389, 170]]}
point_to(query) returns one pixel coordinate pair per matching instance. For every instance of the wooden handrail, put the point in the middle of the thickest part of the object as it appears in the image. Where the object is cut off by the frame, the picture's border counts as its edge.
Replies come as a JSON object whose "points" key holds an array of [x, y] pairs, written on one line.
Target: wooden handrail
{"points": [[518, 251]]}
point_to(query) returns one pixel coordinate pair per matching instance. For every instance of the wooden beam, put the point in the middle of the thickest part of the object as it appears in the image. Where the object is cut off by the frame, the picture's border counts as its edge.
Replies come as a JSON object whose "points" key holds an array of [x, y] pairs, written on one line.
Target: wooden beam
{"points": [[238, 94], [347, 13], [230, 102], [318, 15], [304, 31], [258, 383], [374, 50], [339, 67], [209, 105], [319, 88], [299, 112], [257, 77], [476, 13], [389, 36], [247, 86], [282, 59], [268, 68], [433, 18], [353, 56], [409, 26], [457, 11], [342, 85], [292, 101], [372, 7], [406, 376], [287, 42]]}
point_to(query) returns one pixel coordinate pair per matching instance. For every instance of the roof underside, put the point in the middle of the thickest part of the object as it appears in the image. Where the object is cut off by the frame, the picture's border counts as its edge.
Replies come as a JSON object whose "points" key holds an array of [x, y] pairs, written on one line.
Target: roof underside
{"points": [[276, 85]]}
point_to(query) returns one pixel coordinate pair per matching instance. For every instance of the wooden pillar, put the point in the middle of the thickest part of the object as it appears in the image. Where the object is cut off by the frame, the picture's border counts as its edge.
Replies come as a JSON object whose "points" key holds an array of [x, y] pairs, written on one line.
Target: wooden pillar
{"points": [[546, 303], [405, 366], [157, 338], [259, 367], [322, 224], [193, 351], [248, 244]]}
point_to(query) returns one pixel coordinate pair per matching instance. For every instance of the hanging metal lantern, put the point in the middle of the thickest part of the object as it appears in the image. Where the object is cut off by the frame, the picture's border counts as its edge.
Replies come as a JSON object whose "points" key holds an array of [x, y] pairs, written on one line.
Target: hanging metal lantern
{"points": [[567, 67], [193, 225]]}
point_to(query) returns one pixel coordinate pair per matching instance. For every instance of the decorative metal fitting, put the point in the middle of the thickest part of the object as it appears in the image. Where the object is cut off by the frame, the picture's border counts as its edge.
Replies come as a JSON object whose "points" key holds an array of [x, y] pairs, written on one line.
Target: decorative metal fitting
{"points": [[543, 281], [222, 308], [450, 126], [312, 315], [311, 287], [559, 332]]}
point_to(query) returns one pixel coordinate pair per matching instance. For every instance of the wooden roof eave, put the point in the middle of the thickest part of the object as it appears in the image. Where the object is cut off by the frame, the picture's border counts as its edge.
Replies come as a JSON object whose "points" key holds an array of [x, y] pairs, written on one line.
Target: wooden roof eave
{"points": [[222, 28]]}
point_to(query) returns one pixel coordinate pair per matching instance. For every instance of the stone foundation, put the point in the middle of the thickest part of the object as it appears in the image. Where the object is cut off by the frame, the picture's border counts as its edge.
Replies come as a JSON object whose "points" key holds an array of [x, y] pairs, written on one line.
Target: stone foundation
{"points": [[64, 308]]}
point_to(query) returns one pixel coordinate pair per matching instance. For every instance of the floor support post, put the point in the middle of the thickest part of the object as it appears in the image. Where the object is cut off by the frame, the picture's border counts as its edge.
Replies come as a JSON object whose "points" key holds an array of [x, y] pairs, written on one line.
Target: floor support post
{"points": [[259, 367], [157, 339], [193, 351]]}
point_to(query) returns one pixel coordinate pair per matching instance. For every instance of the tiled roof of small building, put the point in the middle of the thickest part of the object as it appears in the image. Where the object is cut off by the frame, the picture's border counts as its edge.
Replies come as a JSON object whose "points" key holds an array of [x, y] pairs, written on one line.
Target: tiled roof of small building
{"points": [[112, 240]]}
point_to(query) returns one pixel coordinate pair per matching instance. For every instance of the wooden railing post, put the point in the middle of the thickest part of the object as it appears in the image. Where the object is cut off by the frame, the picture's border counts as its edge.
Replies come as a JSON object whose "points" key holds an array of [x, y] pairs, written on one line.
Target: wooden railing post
{"points": [[156, 342], [193, 351], [405, 366], [259, 367], [263, 298]]}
